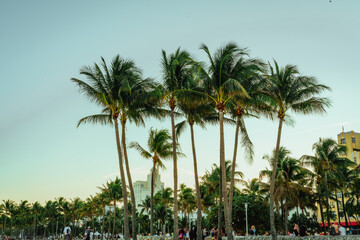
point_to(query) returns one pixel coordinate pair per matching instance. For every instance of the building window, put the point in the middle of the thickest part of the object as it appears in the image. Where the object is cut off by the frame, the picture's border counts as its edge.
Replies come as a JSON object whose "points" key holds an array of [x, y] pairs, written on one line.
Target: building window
{"points": [[339, 194], [355, 161], [332, 204], [342, 141], [353, 140]]}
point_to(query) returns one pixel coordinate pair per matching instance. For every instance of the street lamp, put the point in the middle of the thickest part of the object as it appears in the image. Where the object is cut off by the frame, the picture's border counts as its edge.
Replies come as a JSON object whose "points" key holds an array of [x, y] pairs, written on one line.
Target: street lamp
{"points": [[247, 228]]}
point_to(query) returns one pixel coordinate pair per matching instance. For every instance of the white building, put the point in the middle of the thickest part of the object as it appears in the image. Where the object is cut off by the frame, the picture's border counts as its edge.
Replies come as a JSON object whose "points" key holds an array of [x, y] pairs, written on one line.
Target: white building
{"points": [[142, 189]]}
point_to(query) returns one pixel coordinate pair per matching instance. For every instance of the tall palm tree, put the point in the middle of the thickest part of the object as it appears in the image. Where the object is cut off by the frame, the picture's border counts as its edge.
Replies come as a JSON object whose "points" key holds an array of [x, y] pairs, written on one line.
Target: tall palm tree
{"points": [[286, 90], [327, 160], [160, 147], [242, 106], [176, 69], [104, 201], [196, 110], [221, 84], [141, 99], [105, 88]]}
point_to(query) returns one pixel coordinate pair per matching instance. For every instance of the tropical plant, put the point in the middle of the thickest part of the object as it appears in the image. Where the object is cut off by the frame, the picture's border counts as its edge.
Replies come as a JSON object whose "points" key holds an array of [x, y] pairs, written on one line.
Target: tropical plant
{"points": [[221, 85], [287, 90], [176, 69], [160, 147], [328, 158], [106, 88]]}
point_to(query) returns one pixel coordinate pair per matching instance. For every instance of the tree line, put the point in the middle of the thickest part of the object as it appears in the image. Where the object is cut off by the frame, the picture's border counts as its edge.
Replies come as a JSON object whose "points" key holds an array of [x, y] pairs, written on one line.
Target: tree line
{"points": [[230, 87]]}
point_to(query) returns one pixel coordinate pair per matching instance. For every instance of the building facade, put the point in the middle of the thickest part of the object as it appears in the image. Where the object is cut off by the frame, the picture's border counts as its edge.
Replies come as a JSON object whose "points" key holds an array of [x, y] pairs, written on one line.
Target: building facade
{"points": [[142, 189]]}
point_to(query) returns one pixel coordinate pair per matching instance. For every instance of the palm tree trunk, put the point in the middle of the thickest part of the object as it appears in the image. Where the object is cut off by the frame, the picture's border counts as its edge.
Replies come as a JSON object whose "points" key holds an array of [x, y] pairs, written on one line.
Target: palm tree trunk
{"points": [[103, 223], [272, 182], [327, 199], [152, 201], [232, 183], [220, 209], [197, 187], [286, 217], [344, 208], [322, 214], [176, 225], [133, 205], [34, 227], [123, 182], [113, 231], [338, 210], [223, 177]]}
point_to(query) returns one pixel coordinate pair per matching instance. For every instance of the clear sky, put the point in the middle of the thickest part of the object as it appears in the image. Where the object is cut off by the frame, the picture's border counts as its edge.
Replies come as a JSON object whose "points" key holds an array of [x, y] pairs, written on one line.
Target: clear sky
{"points": [[45, 43]]}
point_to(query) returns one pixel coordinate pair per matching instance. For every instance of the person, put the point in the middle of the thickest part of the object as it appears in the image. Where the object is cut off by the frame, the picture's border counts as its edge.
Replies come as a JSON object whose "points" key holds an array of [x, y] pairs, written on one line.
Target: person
{"points": [[87, 233], [266, 233], [193, 233], [252, 231], [342, 230], [332, 229], [67, 232], [296, 230], [204, 233], [303, 231]]}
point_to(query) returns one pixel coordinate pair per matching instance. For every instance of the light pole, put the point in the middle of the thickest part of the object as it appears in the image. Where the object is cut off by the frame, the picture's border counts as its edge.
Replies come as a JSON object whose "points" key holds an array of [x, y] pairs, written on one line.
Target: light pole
{"points": [[247, 228]]}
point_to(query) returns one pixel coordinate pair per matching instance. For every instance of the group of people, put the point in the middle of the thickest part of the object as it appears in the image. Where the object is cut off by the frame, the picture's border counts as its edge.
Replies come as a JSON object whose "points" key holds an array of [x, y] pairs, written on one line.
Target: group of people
{"points": [[68, 236]]}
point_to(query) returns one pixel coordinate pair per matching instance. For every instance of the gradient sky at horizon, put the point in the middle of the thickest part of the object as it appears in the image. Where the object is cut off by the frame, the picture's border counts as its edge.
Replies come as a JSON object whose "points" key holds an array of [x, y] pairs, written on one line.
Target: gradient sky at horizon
{"points": [[45, 43]]}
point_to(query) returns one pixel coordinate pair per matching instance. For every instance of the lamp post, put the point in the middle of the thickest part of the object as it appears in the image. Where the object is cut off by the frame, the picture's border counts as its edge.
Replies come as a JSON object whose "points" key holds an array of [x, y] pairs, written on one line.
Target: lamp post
{"points": [[247, 228]]}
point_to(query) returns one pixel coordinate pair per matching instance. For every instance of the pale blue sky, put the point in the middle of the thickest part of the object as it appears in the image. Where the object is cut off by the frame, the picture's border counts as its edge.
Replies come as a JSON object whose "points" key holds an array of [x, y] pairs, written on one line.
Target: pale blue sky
{"points": [[45, 43]]}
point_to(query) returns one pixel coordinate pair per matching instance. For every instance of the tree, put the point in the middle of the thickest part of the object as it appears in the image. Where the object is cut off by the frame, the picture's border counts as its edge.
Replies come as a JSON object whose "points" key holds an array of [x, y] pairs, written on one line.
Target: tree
{"points": [[221, 85], [286, 90], [105, 88], [140, 99], [291, 179], [196, 110], [176, 69], [160, 147], [329, 156]]}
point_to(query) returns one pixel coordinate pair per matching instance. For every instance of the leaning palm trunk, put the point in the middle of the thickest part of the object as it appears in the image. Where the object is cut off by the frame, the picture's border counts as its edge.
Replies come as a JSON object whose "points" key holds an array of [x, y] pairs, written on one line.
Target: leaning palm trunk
{"points": [[232, 183], [103, 223], [198, 196], [223, 177], [338, 210], [123, 182], [152, 200], [113, 231], [344, 208], [133, 202], [176, 225], [272, 181], [327, 199]]}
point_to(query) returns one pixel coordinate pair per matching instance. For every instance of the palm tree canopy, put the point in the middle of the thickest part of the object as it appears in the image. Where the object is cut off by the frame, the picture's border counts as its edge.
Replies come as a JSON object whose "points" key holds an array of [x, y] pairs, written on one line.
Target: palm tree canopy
{"points": [[286, 89]]}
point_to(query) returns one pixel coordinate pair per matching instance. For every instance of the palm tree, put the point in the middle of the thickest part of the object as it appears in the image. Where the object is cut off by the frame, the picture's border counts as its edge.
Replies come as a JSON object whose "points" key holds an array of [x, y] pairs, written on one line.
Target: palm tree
{"points": [[196, 110], [160, 147], [7, 206], [104, 201], [252, 186], [291, 179], [286, 90], [221, 85], [243, 106], [176, 70], [105, 88], [36, 209], [141, 99], [327, 160]]}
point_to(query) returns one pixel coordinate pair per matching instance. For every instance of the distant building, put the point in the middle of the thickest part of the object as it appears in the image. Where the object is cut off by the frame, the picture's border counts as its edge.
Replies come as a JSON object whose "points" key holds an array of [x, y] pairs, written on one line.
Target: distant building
{"points": [[352, 142], [142, 189]]}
